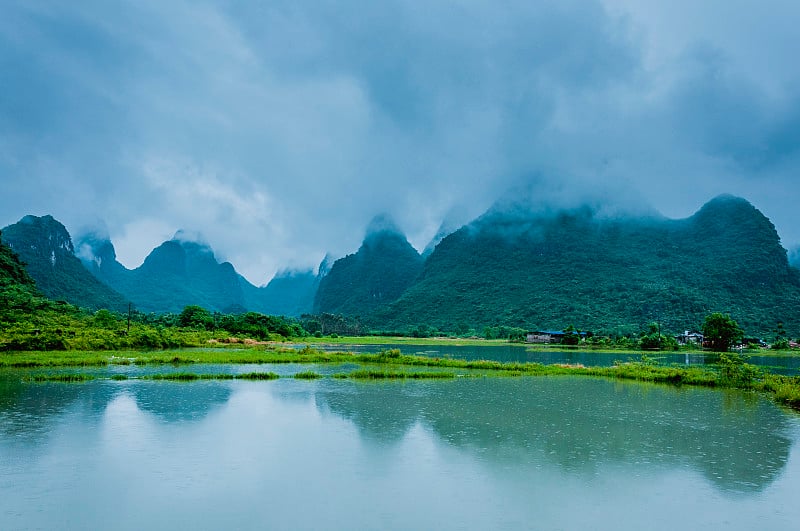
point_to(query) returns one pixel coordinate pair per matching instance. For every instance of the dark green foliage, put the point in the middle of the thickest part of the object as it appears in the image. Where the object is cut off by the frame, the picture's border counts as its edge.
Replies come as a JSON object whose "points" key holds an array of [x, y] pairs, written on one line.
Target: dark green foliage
{"points": [[260, 326], [608, 275], [196, 317], [45, 247], [12, 271], [655, 340], [781, 341], [571, 336], [721, 331], [381, 270]]}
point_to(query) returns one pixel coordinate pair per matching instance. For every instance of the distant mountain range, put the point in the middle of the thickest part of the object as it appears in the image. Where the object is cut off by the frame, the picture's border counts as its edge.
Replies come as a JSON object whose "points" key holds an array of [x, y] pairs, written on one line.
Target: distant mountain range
{"points": [[183, 271], [512, 266]]}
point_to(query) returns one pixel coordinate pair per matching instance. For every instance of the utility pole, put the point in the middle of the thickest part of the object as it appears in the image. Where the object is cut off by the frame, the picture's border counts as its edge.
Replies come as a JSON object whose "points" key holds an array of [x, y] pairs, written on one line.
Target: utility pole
{"points": [[129, 317]]}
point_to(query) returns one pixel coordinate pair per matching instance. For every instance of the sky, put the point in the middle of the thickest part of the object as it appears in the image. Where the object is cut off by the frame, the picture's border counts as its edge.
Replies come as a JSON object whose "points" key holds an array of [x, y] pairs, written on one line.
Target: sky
{"points": [[278, 129]]}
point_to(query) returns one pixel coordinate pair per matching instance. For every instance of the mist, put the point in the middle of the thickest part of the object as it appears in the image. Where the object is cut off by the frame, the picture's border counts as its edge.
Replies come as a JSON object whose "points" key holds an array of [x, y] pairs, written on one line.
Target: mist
{"points": [[278, 130]]}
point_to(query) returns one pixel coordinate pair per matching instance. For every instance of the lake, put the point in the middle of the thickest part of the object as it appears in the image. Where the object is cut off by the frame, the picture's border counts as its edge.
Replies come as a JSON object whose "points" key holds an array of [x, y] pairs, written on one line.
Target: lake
{"points": [[482, 453]]}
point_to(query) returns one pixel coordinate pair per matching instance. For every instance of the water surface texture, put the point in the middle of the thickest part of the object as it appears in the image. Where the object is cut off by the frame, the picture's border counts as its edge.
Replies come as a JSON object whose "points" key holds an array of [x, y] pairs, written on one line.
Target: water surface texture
{"points": [[486, 453]]}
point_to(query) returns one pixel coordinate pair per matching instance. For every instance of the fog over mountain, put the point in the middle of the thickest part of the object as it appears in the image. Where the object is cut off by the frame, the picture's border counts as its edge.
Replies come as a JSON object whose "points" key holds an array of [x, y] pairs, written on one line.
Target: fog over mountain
{"points": [[279, 129]]}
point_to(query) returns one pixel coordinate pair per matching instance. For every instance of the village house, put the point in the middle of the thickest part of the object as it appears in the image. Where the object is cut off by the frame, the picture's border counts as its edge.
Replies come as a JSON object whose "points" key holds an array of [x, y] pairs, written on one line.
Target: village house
{"points": [[548, 336], [689, 337]]}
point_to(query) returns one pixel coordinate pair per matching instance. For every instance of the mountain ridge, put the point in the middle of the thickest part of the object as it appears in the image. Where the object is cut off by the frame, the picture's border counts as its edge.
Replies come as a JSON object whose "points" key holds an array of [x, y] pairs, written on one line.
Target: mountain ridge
{"points": [[575, 267], [45, 247], [529, 268]]}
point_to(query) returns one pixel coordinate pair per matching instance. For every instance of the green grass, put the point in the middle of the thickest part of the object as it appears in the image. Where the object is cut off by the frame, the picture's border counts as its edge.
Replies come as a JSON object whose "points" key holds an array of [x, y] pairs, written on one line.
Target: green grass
{"points": [[257, 376], [65, 378], [307, 375], [79, 358], [373, 374]]}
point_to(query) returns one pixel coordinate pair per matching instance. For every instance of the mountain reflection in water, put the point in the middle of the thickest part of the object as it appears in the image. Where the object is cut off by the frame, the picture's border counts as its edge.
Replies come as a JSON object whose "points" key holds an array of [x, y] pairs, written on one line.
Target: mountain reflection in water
{"points": [[739, 442]]}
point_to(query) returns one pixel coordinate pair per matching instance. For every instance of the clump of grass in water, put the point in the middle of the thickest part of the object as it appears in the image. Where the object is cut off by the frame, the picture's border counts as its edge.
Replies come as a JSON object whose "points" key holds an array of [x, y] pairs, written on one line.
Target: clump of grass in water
{"points": [[257, 376], [67, 378], [307, 375], [119, 377], [372, 374], [188, 376]]}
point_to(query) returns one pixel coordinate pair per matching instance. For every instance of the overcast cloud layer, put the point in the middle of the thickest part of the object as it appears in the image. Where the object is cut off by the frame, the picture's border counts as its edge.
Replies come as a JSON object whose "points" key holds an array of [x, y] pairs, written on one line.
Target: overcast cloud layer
{"points": [[278, 129]]}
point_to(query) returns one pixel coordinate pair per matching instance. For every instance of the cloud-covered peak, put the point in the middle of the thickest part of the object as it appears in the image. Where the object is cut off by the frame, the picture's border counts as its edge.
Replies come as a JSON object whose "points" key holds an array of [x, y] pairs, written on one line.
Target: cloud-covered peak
{"points": [[188, 236], [382, 223]]}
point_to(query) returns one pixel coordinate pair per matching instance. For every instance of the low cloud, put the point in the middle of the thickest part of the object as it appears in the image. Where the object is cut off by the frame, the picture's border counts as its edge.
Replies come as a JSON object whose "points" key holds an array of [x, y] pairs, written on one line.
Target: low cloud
{"points": [[279, 130]]}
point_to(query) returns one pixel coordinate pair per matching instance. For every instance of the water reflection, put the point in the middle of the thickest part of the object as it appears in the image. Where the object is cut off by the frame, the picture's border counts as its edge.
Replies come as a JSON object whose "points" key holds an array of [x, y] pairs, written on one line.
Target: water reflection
{"points": [[740, 443], [179, 402], [28, 408], [465, 454]]}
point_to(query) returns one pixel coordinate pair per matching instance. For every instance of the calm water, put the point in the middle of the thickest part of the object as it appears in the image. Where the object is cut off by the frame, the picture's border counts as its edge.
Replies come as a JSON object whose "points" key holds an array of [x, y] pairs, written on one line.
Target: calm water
{"points": [[788, 365], [495, 453]]}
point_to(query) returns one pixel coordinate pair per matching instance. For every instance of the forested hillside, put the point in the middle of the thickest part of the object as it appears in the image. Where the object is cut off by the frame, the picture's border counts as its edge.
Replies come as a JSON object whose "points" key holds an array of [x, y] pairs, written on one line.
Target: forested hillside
{"points": [[384, 266], [615, 275], [178, 273], [510, 267], [45, 247]]}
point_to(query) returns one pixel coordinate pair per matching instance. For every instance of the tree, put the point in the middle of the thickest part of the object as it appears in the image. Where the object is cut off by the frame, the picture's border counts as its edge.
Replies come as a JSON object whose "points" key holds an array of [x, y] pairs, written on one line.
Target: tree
{"points": [[781, 342], [196, 317], [571, 336], [655, 340], [721, 331]]}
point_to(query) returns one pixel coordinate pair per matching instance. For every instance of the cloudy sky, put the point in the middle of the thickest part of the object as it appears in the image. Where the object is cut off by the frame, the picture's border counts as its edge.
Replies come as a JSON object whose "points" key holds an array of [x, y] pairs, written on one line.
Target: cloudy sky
{"points": [[279, 128]]}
